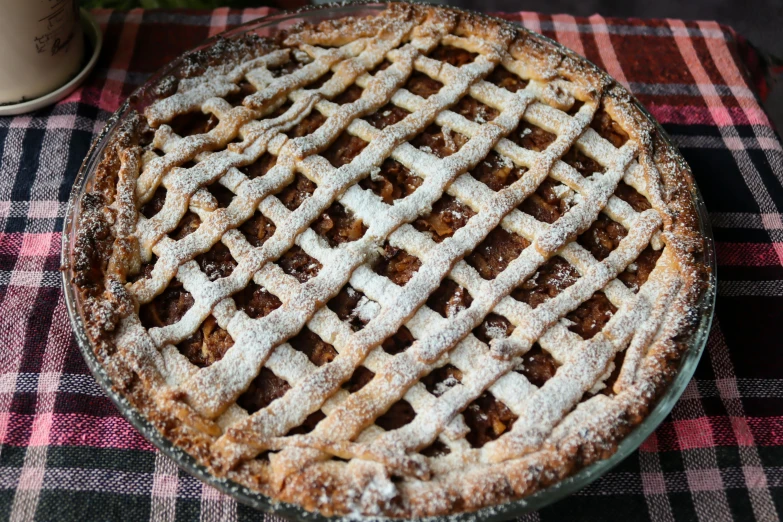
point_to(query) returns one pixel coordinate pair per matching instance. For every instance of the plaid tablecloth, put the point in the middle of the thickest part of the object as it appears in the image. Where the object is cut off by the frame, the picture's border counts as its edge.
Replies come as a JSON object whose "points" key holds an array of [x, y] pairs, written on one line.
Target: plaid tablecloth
{"points": [[67, 454]]}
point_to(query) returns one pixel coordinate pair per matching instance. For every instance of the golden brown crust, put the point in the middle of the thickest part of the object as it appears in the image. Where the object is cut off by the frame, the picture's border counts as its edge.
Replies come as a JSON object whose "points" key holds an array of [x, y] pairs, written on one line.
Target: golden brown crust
{"points": [[110, 262]]}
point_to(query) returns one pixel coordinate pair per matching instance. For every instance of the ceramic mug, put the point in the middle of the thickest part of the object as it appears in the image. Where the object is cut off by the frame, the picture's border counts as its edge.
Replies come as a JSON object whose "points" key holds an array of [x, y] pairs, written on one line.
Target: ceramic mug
{"points": [[42, 47]]}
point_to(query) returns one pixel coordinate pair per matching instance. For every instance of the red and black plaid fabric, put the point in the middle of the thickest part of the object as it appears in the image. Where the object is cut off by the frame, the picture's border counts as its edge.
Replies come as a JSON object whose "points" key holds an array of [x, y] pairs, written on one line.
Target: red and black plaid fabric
{"points": [[67, 454]]}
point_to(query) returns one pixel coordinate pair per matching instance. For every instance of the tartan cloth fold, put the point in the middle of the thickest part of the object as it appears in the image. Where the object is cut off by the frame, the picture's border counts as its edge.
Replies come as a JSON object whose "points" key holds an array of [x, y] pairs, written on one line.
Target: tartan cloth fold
{"points": [[67, 454]]}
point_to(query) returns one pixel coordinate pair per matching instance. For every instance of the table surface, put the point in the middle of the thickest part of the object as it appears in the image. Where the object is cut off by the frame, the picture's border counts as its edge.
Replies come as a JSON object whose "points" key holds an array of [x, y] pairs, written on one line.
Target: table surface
{"points": [[758, 20], [66, 453]]}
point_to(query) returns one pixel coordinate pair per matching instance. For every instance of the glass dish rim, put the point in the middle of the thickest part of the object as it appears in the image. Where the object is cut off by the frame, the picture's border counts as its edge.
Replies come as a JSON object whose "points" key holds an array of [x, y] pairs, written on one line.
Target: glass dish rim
{"points": [[687, 365]]}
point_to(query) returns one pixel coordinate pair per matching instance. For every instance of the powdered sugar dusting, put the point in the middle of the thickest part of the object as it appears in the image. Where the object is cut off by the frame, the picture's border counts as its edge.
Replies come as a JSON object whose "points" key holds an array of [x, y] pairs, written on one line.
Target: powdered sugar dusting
{"points": [[205, 398]]}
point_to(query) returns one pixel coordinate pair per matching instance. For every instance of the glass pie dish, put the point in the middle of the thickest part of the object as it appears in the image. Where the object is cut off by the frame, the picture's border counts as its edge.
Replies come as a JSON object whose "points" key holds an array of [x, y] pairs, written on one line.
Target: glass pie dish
{"points": [[146, 95]]}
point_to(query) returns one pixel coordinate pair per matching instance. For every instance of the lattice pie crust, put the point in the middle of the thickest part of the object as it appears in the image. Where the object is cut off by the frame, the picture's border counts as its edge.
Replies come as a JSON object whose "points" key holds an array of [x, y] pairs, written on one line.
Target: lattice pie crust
{"points": [[408, 265]]}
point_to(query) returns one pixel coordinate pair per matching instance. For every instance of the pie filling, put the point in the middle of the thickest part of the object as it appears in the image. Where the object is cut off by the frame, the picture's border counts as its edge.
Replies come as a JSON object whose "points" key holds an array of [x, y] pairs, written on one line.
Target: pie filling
{"points": [[373, 377]]}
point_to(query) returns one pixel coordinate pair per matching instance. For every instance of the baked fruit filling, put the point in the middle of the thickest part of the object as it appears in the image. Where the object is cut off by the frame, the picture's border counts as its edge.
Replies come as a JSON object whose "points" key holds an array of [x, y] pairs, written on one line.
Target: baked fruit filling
{"points": [[448, 215], [427, 285]]}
